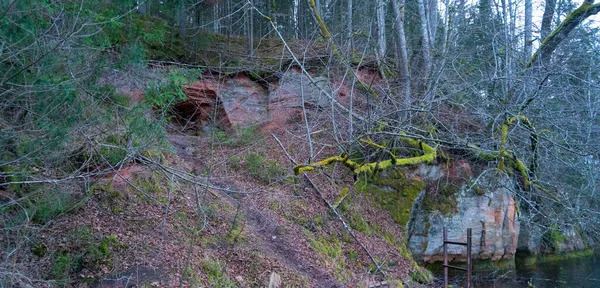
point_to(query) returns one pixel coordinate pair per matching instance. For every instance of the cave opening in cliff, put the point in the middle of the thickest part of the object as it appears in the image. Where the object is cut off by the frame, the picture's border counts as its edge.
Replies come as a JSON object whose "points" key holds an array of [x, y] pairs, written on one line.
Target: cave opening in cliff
{"points": [[202, 109]]}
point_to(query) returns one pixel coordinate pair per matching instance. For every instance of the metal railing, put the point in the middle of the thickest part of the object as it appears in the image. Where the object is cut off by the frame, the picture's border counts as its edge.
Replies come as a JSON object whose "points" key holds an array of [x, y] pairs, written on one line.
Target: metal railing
{"points": [[469, 268]]}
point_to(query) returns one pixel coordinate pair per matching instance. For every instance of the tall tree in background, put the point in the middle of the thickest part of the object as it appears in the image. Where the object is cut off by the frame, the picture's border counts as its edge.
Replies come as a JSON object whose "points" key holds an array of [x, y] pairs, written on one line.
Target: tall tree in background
{"points": [[350, 27], [182, 18], [381, 33], [403, 72], [422, 73], [528, 31], [547, 18]]}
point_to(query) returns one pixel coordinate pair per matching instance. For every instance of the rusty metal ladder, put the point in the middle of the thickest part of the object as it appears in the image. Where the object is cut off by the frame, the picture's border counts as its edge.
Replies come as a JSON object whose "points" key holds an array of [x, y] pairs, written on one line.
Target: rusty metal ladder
{"points": [[469, 268]]}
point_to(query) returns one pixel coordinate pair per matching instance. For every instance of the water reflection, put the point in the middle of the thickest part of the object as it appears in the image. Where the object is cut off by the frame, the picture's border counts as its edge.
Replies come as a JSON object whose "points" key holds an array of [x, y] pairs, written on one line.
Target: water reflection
{"points": [[579, 272]]}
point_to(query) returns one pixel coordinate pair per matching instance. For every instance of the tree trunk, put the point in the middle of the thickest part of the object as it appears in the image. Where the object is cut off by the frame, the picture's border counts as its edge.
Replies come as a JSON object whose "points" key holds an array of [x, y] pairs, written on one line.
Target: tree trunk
{"points": [[421, 86], [143, 8], [403, 55], [182, 18], [547, 18], [527, 41], [349, 27], [549, 44], [216, 18], [381, 44], [561, 32], [250, 29], [433, 21]]}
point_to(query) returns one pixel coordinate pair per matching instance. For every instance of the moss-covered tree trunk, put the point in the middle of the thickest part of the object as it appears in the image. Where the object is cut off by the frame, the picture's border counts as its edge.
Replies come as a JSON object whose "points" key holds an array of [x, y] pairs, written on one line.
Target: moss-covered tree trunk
{"points": [[587, 9]]}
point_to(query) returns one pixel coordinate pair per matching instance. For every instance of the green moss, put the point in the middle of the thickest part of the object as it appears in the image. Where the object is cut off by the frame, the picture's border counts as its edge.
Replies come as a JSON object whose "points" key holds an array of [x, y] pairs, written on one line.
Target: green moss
{"points": [[366, 89], [476, 188], [181, 215], [274, 205], [527, 261], [533, 260], [399, 243], [444, 200], [555, 237], [150, 184], [339, 199], [331, 248], [100, 255], [358, 223], [318, 220], [83, 254], [393, 191], [421, 275], [494, 265], [564, 256], [108, 196]]}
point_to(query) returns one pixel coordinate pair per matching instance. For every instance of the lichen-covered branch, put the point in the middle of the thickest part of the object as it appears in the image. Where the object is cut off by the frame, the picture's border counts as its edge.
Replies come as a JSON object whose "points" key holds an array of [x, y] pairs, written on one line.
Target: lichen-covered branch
{"points": [[517, 163], [323, 28], [429, 154], [534, 138]]}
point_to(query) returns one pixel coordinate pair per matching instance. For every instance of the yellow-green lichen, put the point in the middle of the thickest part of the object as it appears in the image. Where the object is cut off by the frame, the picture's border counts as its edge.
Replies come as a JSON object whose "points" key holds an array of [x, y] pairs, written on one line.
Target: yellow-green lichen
{"points": [[429, 154], [517, 164]]}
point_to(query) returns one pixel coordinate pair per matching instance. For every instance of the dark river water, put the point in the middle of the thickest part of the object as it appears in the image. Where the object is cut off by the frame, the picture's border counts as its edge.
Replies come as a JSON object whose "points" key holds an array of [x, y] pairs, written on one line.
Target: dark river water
{"points": [[579, 272]]}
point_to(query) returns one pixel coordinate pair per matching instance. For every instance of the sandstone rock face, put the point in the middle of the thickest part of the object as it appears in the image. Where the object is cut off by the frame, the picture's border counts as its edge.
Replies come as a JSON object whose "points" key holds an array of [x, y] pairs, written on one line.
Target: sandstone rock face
{"points": [[530, 239], [237, 102], [285, 102], [536, 239], [241, 102], [486, 204]]}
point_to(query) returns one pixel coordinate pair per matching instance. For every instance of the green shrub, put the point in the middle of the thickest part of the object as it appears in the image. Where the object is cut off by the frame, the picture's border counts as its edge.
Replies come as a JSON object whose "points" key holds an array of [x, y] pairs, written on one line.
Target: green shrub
{"points": [[49, 205], [62, 265], [265, 171], [352, 255], [358, 223], [235, 233], [217, 277], [235, 162], [247, 136]]}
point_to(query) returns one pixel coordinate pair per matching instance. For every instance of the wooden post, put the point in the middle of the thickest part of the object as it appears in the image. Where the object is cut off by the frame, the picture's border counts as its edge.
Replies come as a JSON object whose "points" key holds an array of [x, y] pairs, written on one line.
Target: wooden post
{"points": [[469, 262], [469, 268], [445, 233]]}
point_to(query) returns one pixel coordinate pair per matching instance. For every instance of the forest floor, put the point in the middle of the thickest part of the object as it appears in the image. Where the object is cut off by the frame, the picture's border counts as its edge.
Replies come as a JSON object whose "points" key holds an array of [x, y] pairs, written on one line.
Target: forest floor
{"points": [[148, 227]]}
